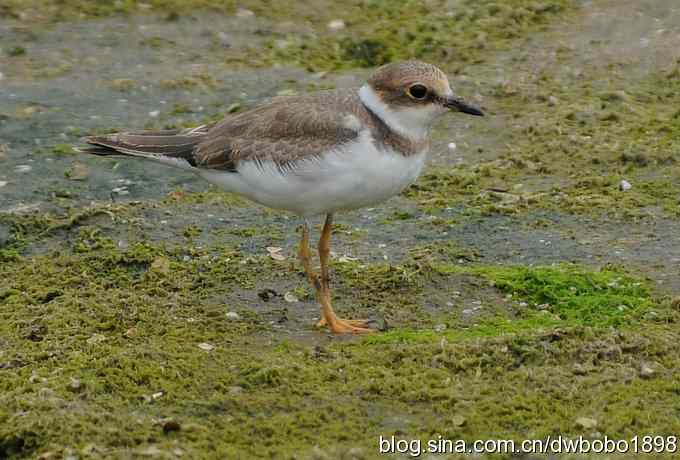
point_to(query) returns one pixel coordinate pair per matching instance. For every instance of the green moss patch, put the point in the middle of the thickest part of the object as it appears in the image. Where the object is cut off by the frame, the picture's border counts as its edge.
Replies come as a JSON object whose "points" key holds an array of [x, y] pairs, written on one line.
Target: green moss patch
{"points": [[114, 335], [382, 31], [375, 32], [569, 156], [600, 298], [108, 350]]}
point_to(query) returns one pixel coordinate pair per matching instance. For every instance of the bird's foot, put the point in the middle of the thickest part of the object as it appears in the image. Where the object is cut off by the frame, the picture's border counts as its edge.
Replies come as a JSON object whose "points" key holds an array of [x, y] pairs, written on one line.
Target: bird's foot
{"points": [[346, 326]]}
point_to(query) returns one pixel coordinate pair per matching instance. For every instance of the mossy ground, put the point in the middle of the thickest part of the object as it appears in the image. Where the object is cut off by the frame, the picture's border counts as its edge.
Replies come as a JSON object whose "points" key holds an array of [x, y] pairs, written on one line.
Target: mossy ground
{"points": [[575, 154], [510, 311], [112, 344], [379, 30]]}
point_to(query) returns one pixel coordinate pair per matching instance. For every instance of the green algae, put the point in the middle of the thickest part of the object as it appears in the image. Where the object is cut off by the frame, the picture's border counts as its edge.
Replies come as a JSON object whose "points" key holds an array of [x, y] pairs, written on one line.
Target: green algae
{"points": [[211, 196], [572, 157], [16, 51], [604, 298], [95, 335], [376, 32], [58, 11], [128, 335], [198, 81], [383, 31], [100, 344]]}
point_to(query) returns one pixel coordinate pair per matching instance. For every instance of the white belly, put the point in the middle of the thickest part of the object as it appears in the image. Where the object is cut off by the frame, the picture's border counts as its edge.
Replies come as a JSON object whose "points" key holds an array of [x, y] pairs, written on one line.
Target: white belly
{"points": [[358, 175]]}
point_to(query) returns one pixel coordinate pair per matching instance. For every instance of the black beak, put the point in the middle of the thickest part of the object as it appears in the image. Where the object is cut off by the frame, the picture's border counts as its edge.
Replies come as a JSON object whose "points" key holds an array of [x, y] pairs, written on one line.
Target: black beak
{"points": [[456, 103]]}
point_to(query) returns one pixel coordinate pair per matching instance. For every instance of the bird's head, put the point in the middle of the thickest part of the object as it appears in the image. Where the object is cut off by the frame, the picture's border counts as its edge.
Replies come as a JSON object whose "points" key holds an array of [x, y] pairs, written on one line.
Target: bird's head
{"points": [[408, 96]]}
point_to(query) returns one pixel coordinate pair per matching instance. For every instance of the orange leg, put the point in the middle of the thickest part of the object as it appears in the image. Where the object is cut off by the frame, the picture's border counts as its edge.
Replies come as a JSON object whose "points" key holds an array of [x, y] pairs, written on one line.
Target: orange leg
{"points": [[306, 259], [323, 292]]}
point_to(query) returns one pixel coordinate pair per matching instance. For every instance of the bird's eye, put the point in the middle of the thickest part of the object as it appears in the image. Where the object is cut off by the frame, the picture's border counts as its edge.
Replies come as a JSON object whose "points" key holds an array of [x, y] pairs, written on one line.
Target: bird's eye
{"points": [[417, 92]]}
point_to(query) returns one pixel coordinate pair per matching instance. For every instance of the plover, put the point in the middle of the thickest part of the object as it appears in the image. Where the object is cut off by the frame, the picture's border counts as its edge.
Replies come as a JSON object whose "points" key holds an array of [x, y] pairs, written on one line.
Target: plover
{"points": [[313, 154]]}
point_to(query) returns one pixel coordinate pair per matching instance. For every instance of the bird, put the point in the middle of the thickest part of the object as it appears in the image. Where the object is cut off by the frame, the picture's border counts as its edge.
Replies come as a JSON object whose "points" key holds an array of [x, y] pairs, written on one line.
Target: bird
{"points": [[314, 154]]}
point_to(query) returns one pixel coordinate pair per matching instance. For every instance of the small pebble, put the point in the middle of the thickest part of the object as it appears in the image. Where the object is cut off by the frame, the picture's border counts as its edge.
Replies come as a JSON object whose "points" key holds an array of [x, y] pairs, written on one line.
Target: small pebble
{"points": [[439, 327], [206, 346], [452, 146], [244, 13], [646, 371], [336, 24], [120, 191], [290, 297], [225, 39], [75, 385], [35, 378], [275, 253], [3, 183], [23, 168], [586, 423], [171, 425], [154, 113], [233, 315], [624, 185], [235, 390], [552, 101], [675, 303], [282, 44], [458, 420]]}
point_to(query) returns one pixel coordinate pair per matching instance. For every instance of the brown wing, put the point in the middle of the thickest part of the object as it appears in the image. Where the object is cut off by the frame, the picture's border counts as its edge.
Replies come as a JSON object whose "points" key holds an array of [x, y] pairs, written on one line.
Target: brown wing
{"points": [[284, 131], [167, 145]]}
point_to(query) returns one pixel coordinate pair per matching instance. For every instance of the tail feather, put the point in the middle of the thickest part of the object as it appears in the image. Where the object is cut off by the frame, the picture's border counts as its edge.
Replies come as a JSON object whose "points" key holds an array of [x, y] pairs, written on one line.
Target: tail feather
{"points": [[173, 147]]}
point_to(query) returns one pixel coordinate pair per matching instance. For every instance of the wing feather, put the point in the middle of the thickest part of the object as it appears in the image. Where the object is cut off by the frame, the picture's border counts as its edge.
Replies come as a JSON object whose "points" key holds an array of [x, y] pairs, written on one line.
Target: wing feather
{"points": [[284, 131], [155, 145]]}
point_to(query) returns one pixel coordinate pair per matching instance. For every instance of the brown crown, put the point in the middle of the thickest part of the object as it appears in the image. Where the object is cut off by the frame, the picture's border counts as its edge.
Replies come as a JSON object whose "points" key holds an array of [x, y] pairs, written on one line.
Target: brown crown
{"points": [[398, 75]]}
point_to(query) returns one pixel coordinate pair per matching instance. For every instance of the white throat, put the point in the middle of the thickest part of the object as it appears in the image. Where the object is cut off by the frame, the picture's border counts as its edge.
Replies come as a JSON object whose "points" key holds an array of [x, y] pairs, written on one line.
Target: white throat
{"points": [[413, 123]]}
